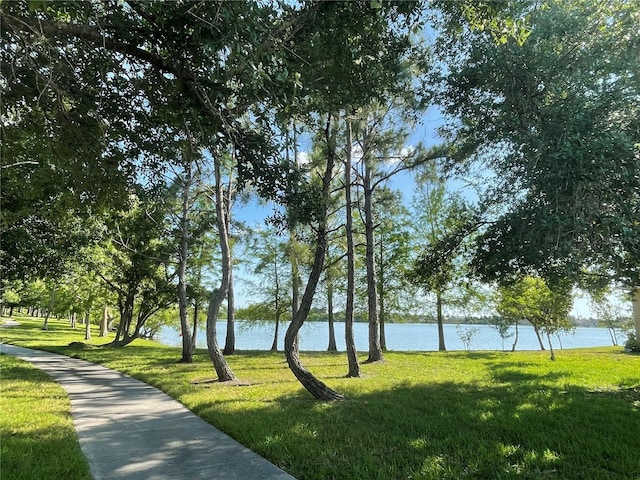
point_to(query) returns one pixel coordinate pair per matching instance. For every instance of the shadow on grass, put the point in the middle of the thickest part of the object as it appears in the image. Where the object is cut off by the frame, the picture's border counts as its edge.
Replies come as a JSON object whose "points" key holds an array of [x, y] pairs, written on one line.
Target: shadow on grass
{"points": [[527, 426], [511, 372], [447, 431]]}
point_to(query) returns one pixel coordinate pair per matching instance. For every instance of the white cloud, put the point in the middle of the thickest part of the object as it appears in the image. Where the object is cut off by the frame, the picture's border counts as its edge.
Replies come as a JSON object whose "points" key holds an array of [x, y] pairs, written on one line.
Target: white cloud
{"points": [[302, 158]]}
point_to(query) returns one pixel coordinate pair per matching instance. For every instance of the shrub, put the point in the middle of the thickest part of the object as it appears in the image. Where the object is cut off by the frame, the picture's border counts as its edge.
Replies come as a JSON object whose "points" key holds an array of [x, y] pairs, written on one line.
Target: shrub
{"points": [[632, 344]]}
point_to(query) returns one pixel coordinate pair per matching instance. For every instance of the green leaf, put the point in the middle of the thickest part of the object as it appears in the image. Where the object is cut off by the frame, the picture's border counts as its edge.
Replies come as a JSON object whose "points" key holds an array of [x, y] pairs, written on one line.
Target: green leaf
{"points": [[34, 5]]}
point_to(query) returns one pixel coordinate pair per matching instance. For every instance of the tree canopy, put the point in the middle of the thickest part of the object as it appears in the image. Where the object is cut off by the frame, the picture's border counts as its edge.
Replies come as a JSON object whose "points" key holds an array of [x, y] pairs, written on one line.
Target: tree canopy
{"points": [[555, 121]]}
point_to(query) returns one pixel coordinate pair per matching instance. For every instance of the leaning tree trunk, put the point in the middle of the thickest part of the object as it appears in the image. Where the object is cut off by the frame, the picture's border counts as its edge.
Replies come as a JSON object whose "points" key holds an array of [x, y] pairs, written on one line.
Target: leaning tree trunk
{"points": [[375, 349], [194, 333], [52, 300], [537, 330], [352, 354], [314, 386], [126, 308], [441, 345], [515, 339], [553, 354], [217, 297], [274, 344]]}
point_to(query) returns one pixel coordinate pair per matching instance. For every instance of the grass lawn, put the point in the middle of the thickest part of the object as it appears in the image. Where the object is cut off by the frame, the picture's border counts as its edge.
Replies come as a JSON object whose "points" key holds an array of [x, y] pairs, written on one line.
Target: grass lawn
{"points": [[37, 438], [417, 415]]}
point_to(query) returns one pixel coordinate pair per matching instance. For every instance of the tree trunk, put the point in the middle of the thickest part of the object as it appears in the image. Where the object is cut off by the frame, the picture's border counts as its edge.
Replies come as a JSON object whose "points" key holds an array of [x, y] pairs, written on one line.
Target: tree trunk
{"points": [[332, 331], [553, 354], [217, 297], [375, 349], [183, 255], [196, 308], [111, 320], [52, 301], [314, 386], [382, 295], [352, 354], [441, 345], [104, 322], [537, 330], [515, 340], [636, 310], [126, 307], [72, 321], [295, 276], [230, 340], [276, 333], [274, 344], [87, 326]]}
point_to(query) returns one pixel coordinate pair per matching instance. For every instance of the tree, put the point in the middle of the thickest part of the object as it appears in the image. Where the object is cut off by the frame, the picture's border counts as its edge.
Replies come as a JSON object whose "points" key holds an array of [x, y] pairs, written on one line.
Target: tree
{"points": [[393, 257], [351, 53], [134, 262], [610, 314], [184, 232], [108, 81], [11, 297], [636, 311], [218, 295], [466, 335], [546, 309], [503, 326], [333, 281], [555, 122], [352, 354], [230, 197], [272, 281], [319, 215], [381, 135], [445, 226]]}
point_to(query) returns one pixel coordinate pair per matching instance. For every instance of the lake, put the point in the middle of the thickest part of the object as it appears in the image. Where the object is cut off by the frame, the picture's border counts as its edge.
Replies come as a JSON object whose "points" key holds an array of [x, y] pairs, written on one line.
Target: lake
{"points": [[314, 336]]}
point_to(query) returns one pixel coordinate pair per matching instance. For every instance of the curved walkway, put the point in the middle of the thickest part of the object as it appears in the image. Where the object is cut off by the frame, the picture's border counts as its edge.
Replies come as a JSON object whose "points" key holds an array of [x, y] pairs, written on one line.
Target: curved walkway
{"points": [[130, 430]]}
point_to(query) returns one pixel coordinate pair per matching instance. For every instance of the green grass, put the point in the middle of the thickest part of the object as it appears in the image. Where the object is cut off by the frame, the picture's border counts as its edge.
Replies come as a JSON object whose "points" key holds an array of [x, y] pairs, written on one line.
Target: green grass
{"points": [[37, 438], [418, 416]]}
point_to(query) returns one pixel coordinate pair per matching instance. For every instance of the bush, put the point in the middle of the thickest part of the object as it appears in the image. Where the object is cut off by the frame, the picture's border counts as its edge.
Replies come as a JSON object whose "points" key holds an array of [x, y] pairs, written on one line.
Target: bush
{"points": [[632, 344]]}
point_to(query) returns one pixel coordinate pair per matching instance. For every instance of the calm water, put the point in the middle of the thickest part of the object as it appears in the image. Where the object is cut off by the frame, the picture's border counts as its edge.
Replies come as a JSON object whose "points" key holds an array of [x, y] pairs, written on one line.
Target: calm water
{"points": [[314, 336]]}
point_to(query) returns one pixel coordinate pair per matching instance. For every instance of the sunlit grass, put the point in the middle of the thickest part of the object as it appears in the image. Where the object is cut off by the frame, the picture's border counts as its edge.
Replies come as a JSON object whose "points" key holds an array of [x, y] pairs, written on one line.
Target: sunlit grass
{"points": [[38, 440], [431, 415]]}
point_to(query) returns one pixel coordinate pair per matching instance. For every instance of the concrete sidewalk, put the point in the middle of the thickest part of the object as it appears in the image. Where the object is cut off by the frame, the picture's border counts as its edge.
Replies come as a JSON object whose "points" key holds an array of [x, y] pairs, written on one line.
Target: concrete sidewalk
{"points": [[130, 430]]}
